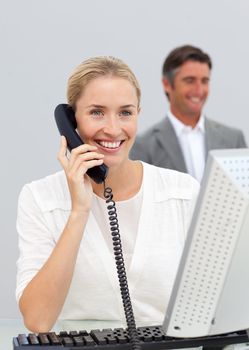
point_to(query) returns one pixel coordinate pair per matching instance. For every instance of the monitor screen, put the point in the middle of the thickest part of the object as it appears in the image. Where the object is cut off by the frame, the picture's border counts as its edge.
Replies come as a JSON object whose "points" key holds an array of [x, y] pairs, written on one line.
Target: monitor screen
{"points": [[211, 290]]}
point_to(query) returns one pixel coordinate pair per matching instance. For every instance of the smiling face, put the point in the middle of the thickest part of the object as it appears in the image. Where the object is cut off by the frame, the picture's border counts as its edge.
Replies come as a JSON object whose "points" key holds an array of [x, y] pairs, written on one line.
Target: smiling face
{"points": [[189, 91], [106, 115]]}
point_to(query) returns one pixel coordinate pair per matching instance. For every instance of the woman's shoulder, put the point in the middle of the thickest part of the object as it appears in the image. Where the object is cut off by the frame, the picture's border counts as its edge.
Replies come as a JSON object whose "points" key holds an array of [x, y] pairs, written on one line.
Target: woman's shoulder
{"points": [[48, 192], [171, 183], [51, 181]]}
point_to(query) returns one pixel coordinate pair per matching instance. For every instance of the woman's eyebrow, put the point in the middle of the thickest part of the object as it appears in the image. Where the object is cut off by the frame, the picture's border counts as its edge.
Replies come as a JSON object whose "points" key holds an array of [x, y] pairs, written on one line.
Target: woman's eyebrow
{"points": [[100, 106], [95, 106], [127, 106]]}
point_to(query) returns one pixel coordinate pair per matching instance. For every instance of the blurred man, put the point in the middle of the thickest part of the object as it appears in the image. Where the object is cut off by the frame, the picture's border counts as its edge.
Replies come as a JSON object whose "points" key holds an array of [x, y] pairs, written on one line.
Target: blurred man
{"points": [[181, 141]]}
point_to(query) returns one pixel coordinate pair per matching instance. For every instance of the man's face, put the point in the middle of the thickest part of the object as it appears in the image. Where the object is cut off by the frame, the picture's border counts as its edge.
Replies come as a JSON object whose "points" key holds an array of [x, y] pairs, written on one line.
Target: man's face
{"points": [[189, 90]]}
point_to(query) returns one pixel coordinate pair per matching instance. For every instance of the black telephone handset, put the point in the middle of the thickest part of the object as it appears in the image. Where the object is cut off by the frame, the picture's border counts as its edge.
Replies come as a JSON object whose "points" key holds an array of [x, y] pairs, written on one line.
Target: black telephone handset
{"points": [[66, 123]]}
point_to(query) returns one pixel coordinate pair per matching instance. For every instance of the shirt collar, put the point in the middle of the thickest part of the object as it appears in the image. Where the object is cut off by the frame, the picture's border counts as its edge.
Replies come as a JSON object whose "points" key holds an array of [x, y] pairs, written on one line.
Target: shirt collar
{"points": [[179, 126]]}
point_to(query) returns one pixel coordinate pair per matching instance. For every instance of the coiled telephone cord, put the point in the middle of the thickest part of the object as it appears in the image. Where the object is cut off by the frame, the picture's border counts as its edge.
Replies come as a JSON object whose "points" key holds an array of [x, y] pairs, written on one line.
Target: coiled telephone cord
{"points": [[120, 266]]}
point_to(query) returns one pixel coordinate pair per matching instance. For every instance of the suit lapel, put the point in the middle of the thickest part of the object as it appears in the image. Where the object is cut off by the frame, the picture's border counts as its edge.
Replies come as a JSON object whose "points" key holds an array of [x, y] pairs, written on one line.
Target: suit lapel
{"points": [[212, 136], [167, 138]]}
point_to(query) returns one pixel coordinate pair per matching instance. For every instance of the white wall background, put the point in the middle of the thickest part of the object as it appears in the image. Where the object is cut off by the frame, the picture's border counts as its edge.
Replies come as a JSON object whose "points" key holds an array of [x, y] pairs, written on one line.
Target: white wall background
{"points": [[41, 41]]}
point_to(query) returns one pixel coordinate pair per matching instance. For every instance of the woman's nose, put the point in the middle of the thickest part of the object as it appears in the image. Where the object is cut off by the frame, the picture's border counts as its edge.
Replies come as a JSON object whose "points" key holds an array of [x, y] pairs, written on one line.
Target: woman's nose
{"points": [[112, 126]]}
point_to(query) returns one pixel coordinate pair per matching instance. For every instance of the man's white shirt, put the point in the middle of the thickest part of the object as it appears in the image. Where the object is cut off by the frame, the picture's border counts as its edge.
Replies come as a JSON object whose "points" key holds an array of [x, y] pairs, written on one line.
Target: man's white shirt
{"points": [[192, 143]]}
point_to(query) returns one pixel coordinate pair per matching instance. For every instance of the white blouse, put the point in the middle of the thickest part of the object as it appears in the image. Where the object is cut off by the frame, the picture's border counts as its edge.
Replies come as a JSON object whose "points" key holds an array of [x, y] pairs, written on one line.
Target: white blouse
{"points": [[160, 227], [128, 212]]}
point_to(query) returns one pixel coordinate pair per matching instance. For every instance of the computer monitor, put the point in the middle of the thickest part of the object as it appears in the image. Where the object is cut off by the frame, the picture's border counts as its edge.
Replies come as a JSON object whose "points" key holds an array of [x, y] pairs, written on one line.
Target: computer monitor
{"points": [[211, 290]]}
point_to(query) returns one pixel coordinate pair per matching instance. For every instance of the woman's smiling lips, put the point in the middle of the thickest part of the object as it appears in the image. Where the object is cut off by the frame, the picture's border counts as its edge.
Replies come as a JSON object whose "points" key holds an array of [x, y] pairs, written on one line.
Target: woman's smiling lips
{"points": [[109, 146]]}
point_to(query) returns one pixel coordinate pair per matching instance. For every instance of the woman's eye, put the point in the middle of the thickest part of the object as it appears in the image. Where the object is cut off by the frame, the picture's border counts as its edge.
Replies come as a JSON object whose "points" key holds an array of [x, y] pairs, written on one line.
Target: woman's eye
{"points": [[125, 113], [96, 113]]}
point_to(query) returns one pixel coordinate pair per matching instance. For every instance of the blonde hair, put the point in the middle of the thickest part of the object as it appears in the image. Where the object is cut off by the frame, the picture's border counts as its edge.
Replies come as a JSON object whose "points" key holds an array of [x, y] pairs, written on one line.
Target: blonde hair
{"points": [[96, 67]]}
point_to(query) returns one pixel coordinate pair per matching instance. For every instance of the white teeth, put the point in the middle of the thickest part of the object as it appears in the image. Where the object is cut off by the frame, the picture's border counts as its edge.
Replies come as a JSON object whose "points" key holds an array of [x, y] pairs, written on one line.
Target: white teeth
{"points": [[110, 144]]}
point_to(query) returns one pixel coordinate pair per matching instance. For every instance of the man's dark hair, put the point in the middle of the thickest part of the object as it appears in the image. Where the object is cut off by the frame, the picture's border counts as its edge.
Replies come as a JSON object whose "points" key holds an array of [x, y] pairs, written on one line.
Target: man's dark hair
{"points": [[180, 55]]}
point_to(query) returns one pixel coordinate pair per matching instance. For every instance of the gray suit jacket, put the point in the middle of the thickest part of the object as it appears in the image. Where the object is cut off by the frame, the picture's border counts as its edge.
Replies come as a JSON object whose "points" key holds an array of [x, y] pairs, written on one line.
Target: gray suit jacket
{"points": [[159, 145]]}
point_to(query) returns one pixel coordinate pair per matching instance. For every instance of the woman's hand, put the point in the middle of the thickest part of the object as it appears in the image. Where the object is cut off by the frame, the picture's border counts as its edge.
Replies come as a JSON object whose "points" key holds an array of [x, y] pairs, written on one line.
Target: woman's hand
{"points": [[81, 159]]}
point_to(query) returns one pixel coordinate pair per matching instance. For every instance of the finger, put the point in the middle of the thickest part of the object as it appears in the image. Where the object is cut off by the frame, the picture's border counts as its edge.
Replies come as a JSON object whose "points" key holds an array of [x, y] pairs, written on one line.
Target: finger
{"points": [[82, 149], [77, 176], [86, 166], [62, 155], [85, 152], [84, 159]]}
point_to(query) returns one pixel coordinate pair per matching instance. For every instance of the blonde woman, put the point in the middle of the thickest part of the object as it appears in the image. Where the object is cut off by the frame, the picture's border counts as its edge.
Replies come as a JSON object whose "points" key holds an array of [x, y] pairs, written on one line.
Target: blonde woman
{"points": [[66, 267]]}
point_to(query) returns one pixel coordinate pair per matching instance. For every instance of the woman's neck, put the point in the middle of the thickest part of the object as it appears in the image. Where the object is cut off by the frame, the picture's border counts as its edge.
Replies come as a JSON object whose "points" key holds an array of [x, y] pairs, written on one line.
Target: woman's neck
{"points": [[125, 182]]}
